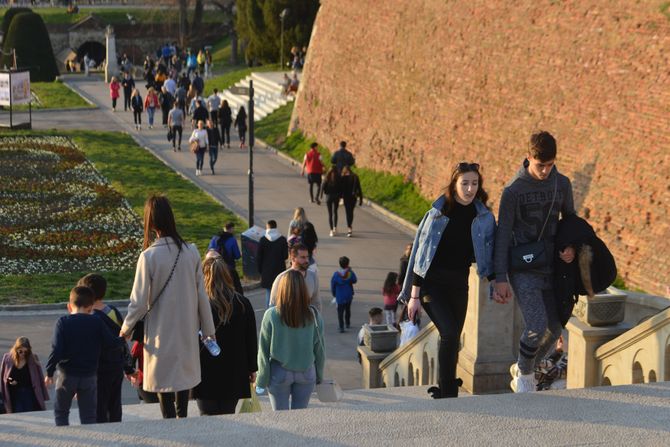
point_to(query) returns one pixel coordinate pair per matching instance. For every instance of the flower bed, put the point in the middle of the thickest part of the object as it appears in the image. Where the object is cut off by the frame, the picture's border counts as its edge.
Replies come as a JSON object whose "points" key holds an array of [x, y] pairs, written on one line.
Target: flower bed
{"points": [[58, 214]]}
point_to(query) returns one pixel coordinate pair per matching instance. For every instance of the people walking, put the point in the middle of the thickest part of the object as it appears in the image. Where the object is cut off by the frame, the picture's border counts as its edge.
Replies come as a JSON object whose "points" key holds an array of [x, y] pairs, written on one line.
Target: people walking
{"points": [[128, 84], [213, 105], [166, 101], [169, 294], [176, 124], [271, 257], [291, 355], [528, 218], [350, 186], [342, 288], [198, 112], [214, 140], [458, 229], [342, 157], [225, 244], [332, 190], [199, 144], [299, 258], [226, 377], [114, 87], [22, 386], [390, 292], [312, 163], [150, 104], [226, 119], [241, 125], [306, 232], [137, 105]]}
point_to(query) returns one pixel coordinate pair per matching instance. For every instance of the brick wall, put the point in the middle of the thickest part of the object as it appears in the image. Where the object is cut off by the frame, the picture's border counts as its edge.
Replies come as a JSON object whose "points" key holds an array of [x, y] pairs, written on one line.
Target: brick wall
{"points": [[415, 87]]}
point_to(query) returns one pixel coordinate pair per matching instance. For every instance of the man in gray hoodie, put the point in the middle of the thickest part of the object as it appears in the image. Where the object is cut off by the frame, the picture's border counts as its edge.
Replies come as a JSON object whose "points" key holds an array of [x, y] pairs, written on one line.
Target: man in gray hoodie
{"points": [[529, 211]]}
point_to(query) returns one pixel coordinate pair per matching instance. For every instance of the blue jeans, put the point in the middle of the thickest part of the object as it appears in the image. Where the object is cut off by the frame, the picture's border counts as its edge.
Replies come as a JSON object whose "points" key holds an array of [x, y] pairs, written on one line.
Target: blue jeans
{"points": [[86, 389], [267, 298], [199, 158], [284, 383], [213, 156], [150, 112]]}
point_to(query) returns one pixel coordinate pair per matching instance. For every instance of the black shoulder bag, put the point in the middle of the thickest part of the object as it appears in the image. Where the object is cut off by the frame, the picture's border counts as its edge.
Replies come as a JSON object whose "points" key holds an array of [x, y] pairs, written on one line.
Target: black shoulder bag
{"points": [[533, 255], [138, 330]]}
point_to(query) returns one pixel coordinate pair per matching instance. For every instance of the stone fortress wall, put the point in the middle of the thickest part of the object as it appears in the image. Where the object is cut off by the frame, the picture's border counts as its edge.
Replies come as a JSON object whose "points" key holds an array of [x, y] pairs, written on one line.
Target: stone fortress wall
{"points": [[415, 87]]}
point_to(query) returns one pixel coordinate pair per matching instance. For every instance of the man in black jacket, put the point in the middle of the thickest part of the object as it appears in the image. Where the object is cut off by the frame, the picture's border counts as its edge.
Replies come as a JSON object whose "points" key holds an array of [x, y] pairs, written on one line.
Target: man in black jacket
{"points": [[342, 157], [271, 257]]}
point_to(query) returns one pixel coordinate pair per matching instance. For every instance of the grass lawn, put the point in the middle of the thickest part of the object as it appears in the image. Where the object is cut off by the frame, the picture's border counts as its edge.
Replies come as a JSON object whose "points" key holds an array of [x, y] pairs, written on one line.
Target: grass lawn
{"points": [[134, 173], [388, 190], [231, 77], [55, 95], [56, 16], [221, 52]]}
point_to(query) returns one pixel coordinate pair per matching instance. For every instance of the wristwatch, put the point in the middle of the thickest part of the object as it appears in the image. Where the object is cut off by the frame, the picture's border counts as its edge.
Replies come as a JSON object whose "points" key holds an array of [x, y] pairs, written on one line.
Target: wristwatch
{"points": [[414, 297]]}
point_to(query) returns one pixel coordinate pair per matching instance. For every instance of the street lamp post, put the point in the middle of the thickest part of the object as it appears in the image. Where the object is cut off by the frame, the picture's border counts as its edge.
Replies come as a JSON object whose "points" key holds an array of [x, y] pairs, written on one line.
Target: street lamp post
{"points": [[282, 17]]}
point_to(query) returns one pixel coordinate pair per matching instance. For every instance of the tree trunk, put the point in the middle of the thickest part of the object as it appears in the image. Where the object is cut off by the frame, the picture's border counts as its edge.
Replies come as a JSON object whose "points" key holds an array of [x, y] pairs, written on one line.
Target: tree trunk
{"points": [[183, 22], [233, 47]]}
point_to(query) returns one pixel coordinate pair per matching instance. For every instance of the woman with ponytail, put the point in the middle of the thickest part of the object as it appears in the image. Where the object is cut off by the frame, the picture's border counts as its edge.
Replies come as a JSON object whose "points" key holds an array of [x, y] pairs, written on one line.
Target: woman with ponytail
{"points": [[226, 378]]}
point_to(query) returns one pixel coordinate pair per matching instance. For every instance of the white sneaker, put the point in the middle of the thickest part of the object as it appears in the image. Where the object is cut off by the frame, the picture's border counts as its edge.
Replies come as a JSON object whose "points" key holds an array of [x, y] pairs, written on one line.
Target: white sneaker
{"points": [[514, 370], [522, 383], [332, 233]]}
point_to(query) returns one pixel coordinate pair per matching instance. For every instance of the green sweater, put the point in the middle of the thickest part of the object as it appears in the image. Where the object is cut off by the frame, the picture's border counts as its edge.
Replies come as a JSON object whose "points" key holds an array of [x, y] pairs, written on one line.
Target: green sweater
{"points": [[295, 348]]}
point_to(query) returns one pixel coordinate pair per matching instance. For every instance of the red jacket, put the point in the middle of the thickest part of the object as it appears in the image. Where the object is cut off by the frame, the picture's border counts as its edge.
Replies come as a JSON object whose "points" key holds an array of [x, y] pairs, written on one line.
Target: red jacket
{"points": [[114, 89], [313, 163], [36, 378], [151, 101]]}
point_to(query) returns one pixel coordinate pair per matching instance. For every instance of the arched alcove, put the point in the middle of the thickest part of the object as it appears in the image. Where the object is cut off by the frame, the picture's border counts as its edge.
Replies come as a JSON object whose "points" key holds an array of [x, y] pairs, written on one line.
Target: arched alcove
{"points": [[652, 376], [666, 373], [410, 374], [606, 382], [396, 379], [638, 374], [432, 370], [95, 51], [425, 369]]}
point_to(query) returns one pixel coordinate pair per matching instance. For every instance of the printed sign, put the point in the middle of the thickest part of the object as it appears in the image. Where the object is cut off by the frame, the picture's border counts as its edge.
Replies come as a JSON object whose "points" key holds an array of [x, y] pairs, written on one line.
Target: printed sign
{"points": [[18, 92]]}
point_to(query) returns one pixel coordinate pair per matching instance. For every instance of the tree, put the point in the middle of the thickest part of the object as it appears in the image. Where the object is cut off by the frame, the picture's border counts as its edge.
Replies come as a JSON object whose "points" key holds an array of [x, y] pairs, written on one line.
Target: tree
{"points": [[9, 15], [259, 25], [28, 35]]}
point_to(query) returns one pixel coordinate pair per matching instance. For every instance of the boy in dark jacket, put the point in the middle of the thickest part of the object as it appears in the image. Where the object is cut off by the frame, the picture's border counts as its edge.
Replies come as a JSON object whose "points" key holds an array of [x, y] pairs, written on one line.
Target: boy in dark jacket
{"points": [[342, 288], [77, 342], [225, 244], [271, 257], [114, 362]]}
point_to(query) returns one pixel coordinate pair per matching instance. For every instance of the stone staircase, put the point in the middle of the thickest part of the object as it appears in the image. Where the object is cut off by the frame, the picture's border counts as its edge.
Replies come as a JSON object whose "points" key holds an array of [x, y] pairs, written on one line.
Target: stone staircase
{"points": [[395, 416], [268, 95]]}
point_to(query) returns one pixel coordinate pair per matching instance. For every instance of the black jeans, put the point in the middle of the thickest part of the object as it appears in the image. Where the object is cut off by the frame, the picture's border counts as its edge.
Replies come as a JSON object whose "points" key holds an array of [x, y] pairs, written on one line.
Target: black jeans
{"points": [[444, 296], [109, 396], [171, 407], [349, 205], [333, 204], [86, 390], [176, 130], [166, 112], [126, 100], [314, 179], [137, 117], [344, 314], [225, 133], [214, 116], [211, 407]]}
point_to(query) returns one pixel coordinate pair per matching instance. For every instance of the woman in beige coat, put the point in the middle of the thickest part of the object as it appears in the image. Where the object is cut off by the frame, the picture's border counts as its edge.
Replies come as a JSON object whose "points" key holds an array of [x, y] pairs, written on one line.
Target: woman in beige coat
{"points": [[171, 351]]}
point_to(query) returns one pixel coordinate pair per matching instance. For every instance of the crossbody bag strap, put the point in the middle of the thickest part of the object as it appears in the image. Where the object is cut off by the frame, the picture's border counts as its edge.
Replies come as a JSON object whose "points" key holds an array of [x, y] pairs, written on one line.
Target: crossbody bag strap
{"points": [[152, 305], [553, 200]]}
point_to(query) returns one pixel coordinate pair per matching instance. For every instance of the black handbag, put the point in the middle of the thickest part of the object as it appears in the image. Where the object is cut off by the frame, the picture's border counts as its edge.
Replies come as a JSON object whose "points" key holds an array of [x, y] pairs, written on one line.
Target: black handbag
{"points": [[170, 135], [532, 255], [138, 330]]}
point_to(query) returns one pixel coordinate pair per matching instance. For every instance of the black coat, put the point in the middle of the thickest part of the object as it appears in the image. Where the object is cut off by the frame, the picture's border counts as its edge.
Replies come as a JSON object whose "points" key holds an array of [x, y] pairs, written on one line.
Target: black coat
{"points": [[271, 259], [227, 376], [592, 271], [226, 116]]}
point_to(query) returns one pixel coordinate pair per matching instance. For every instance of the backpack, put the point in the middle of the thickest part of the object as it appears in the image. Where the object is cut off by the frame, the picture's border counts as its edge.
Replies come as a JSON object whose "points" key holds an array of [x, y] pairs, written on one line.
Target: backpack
{"points": [[221, 249]]}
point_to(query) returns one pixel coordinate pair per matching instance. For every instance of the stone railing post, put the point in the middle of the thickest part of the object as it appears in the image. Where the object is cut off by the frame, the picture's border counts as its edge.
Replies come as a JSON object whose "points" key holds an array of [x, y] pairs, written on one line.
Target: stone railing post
{"points": [[370, 361], [111, 66]]}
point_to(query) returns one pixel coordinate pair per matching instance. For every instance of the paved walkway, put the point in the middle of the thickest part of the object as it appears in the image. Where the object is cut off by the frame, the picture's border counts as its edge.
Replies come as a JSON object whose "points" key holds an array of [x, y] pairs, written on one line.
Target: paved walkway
{"points": [[374, 250]]}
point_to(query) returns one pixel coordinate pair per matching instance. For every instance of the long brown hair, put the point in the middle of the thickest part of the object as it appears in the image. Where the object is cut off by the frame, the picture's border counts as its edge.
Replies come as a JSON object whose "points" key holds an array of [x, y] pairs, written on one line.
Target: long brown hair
{"points": [[450, 192], [158, 216], [219, 287], [293, 300], [21, 342]]}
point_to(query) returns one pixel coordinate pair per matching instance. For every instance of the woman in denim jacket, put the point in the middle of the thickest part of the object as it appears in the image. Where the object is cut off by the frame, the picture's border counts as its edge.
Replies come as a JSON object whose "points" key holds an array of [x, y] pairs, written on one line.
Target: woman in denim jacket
{"points": [[456, 231]]}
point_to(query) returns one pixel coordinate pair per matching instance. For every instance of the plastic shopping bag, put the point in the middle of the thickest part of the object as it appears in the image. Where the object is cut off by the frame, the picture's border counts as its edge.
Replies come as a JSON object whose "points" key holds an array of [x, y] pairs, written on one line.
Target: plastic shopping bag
{"points": [[252, 404]]}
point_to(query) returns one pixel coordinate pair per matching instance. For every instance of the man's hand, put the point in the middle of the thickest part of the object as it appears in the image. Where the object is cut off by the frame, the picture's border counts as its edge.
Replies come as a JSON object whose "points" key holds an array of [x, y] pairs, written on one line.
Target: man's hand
{"points": [[48, 381], [502, 293], [252, 377], [567, 255]]}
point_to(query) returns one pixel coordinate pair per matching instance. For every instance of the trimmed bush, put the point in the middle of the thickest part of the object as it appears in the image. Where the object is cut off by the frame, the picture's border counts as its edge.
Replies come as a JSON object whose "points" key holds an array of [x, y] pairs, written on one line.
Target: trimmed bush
{"points": [[9, 15], [29, 36]]}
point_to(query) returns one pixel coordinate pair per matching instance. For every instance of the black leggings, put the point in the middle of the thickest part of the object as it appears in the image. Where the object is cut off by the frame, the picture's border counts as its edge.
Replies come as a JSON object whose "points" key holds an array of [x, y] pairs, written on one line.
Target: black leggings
{"points": [[242, 132], [445, 299], [137, 116], [225, 133], [171, 407], [332, 203], [349, 205], [211, 407], [114, 103], [166, 112]]}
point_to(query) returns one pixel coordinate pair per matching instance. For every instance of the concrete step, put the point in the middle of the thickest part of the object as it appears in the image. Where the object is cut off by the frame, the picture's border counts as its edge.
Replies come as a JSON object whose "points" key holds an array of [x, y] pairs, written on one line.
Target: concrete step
{"points": [[626, 415]]}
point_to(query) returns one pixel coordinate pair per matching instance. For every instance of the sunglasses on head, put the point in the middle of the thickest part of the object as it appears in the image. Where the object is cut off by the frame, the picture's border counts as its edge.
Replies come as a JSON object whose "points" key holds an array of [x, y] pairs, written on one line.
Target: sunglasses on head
{"points": [[467, 167]]}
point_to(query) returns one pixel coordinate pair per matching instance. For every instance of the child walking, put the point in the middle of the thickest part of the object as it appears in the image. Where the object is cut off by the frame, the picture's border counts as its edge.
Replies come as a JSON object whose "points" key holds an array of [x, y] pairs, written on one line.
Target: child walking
{"points": [[77, 342], [342, 288], [390, 291]]}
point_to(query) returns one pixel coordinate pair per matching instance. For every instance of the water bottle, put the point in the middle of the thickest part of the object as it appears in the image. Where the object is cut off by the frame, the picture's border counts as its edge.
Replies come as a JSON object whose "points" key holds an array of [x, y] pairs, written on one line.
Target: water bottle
{"points": [[211, 345]]}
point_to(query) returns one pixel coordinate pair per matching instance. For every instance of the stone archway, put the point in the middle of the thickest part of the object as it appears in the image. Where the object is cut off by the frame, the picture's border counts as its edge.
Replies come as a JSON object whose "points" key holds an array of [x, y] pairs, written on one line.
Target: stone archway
{"points": [[95, 51]]}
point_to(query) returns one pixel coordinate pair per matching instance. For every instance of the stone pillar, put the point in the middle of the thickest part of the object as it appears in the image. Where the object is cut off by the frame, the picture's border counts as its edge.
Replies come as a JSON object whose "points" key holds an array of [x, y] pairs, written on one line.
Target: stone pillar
{"points": [[370, 361], [111, 67], [488, 342], [583, 370]]}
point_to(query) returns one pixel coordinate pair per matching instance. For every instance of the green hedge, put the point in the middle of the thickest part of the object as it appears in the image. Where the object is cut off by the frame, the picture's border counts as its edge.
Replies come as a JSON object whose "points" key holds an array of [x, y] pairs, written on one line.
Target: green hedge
{"points": [[28, 35]]}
